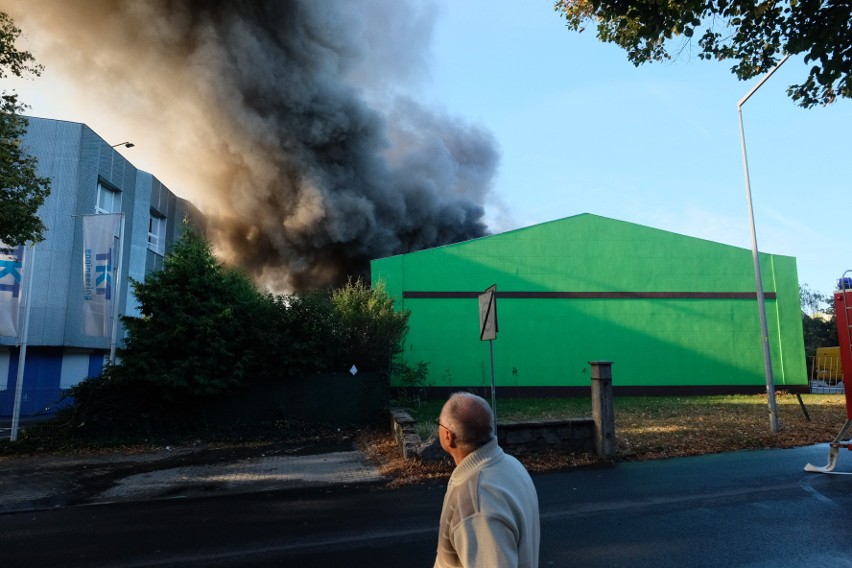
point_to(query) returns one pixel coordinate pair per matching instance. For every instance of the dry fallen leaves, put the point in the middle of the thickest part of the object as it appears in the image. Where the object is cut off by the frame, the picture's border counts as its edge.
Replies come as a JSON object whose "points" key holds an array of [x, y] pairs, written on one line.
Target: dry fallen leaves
{"points": [[680, 427]]}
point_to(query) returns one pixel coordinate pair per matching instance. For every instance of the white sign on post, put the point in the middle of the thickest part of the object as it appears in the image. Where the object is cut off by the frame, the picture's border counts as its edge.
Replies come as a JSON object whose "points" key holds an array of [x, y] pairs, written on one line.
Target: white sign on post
{"points": [[488, 314], [488, 332]]}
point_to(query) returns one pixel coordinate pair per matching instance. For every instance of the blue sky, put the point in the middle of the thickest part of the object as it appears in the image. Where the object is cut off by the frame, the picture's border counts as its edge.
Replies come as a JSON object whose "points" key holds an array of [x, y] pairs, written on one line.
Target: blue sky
{"points": [[580, 129]]}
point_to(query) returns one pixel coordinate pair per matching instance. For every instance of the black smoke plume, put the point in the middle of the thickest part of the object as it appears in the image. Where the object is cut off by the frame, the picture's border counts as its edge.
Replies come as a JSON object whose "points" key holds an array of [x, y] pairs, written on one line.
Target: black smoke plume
{"points": [[294, 115]]}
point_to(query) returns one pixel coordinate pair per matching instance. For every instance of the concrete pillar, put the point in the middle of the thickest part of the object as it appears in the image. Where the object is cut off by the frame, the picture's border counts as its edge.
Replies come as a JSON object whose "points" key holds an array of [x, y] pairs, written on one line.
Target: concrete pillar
{"points": [[603, 411]]}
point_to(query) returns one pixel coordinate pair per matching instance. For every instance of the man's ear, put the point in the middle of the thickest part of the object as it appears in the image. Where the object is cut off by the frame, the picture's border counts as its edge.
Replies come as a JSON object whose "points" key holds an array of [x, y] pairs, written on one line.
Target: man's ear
{"points": [[450, 438]]}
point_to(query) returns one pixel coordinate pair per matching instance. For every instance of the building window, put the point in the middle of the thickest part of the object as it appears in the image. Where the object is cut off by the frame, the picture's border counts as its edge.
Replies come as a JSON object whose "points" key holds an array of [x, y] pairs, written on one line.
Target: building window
{"points": [[109, 200], [75, 368], [157, 234]]}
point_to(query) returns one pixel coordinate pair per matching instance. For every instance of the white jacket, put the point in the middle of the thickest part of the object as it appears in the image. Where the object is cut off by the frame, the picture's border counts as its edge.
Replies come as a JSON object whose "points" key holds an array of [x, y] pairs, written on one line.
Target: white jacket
{"points": [[490, 515]]}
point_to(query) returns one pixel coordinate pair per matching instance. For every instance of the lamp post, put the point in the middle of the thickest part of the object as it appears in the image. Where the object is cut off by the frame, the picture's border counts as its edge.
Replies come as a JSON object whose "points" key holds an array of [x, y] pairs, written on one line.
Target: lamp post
{"points": [[774, 423], [125, 144]]}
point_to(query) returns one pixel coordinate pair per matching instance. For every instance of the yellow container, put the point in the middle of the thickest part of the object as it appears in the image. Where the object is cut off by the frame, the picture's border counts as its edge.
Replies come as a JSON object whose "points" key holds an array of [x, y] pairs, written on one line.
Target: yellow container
{"points": [[827, 365]]}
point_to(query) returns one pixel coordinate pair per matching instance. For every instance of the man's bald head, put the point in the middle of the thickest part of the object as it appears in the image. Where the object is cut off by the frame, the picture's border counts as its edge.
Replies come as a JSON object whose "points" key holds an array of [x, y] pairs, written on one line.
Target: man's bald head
{"points": [[470, 418]]}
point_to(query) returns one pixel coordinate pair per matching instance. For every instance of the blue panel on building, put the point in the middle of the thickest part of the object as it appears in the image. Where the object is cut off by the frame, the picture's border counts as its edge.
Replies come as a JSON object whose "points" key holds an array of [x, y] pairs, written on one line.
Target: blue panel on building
{"points": [[96, 363], [41, 392]]}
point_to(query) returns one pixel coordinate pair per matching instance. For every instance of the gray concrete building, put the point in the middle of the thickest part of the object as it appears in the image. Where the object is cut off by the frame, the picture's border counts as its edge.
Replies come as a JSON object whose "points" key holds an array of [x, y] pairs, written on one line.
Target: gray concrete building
{"points": [[88, 177]]}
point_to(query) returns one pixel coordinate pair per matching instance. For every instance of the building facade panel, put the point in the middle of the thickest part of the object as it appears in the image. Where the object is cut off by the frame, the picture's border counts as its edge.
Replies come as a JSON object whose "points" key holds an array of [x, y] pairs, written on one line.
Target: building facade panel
{"points": [[669, 310], [88, 177]]}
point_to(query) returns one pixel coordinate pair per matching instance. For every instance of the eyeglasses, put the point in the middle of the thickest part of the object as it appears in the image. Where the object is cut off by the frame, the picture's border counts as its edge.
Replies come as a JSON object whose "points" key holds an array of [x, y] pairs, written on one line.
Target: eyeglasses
{"points": [[438, 423]]}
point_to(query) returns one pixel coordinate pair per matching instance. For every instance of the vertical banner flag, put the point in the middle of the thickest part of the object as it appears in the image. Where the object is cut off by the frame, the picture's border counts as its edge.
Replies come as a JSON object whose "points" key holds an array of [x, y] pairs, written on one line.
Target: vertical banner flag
{"points": [[11, 278], [98, 283]]}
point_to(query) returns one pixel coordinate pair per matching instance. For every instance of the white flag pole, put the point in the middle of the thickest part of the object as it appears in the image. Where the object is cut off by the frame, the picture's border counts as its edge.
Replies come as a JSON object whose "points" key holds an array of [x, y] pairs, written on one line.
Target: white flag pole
{"points": [[116, 297], [22, 355]]}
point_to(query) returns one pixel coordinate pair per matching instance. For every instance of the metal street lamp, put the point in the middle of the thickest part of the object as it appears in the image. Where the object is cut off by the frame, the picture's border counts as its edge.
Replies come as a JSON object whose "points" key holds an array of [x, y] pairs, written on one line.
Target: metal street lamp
{"points": [[125, 144], [774, 423]]}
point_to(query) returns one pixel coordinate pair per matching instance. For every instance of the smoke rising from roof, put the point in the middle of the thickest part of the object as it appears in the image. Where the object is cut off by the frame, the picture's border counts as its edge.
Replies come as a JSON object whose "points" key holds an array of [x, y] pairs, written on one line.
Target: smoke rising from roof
{"points": [[291, 115]]}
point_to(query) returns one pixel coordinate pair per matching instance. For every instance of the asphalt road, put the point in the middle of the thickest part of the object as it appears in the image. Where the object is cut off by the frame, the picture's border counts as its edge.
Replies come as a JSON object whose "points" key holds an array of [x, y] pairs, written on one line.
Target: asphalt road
{"points": [[743, 509]]}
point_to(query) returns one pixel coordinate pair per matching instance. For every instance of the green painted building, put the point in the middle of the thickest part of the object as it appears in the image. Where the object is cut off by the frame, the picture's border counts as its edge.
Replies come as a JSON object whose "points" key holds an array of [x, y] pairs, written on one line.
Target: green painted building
{"points": [[674, 313]]}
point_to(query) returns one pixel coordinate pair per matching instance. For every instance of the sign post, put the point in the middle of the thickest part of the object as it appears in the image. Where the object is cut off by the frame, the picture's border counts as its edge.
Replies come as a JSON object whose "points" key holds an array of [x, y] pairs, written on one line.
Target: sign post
{"points": [[488, 332]]}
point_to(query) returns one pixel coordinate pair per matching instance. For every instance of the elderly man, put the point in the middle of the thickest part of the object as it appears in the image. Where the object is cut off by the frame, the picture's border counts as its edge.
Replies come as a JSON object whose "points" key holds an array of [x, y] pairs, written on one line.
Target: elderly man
{"points": [[490, 514]]}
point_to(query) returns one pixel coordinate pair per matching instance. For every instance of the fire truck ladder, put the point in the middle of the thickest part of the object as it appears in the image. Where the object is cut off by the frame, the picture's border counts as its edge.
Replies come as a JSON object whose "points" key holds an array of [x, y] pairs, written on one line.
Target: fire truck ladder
{"points": [[843, 311]]}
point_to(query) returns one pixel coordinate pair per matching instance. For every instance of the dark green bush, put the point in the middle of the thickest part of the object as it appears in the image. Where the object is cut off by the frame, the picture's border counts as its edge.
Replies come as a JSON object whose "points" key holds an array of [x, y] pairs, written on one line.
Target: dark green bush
{"points": [[205, 332], [198, 334]]}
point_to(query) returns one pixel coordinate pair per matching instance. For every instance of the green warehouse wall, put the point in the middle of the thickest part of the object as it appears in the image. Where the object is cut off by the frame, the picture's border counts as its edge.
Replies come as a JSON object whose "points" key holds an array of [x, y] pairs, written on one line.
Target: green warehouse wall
{"points": [[668, 310]]}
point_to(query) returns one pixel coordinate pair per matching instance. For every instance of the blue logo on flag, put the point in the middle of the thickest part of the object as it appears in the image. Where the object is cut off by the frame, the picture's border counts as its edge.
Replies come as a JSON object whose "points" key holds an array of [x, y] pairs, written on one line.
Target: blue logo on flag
{"points": [[103, 271], [11, 268]]}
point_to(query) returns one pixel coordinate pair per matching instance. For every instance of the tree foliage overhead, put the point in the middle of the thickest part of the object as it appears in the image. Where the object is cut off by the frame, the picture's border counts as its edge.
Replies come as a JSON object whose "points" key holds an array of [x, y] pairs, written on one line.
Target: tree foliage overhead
{"points": [[12, 60], [22, 192], [755, 35]]}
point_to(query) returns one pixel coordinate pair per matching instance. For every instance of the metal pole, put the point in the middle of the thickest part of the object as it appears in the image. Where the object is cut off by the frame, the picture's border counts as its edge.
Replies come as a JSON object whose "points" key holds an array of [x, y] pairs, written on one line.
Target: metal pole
{"points": [[116, 296], [493, 394], [774, 423], [22, 355]]}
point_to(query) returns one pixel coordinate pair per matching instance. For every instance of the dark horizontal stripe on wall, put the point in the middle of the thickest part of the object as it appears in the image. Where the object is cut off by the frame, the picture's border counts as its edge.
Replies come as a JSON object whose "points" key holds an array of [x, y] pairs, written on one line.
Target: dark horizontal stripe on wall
{"points": [[594, 295]]}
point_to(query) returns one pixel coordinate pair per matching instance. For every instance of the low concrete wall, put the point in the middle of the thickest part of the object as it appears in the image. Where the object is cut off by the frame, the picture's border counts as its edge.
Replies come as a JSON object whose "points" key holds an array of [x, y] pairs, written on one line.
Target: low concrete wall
{"points": [[564, 436], [405, 434], [595, 434]]}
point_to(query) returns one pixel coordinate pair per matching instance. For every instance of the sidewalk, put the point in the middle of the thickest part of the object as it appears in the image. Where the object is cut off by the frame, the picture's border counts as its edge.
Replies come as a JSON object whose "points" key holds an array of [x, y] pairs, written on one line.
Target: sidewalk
{"points": [[43, 482]]}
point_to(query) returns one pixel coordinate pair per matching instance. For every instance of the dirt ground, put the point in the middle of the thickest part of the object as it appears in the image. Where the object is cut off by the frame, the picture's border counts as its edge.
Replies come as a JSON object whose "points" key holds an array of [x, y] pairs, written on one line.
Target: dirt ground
{"points": [[683, 427]]}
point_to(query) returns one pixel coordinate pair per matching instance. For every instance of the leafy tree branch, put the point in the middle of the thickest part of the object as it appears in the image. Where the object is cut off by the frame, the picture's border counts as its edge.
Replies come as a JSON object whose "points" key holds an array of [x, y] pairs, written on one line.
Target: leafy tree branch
{"points": [[754, 35], [22, 191]]}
